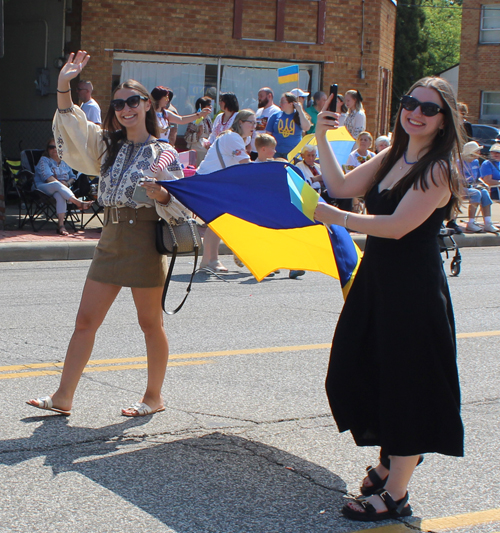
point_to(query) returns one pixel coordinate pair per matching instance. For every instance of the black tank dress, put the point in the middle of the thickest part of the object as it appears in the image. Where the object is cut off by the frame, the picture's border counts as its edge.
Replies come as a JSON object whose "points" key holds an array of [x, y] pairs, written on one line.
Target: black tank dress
{"points": [[392, 379]]}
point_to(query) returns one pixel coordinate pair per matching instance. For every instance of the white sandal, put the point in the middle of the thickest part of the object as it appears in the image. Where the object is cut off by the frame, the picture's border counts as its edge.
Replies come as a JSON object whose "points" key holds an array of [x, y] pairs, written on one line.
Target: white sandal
{"points": [[214, 266], [46, 404], [142, 409]]}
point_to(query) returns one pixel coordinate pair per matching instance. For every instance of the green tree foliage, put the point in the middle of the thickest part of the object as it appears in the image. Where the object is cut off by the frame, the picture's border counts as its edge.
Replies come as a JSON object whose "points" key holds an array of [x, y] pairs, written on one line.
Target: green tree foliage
{"points": [[411, 48], [427, 41], [442, 28]]}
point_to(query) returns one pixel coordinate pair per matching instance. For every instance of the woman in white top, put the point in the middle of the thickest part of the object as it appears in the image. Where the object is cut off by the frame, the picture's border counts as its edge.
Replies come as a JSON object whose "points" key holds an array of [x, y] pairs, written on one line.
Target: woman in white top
{"points": [[355, 121], [120, 152], [229, 106], [165, 117], [227, 150]]}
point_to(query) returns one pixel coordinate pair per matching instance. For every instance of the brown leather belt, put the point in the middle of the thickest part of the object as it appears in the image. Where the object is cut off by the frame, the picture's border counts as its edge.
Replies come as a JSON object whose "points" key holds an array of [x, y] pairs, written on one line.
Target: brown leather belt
{"points": [[116, 215]]}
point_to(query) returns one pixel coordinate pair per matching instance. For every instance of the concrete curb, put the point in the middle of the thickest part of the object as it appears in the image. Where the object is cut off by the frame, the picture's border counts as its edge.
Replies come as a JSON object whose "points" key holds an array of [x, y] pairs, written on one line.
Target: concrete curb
{"points": [[46, 251], [65, 251]]}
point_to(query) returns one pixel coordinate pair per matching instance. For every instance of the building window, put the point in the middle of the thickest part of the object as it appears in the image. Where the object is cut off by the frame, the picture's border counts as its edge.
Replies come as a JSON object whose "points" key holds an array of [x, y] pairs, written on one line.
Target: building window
{"points": [[490, 106], [490, 24], [291, 21]]}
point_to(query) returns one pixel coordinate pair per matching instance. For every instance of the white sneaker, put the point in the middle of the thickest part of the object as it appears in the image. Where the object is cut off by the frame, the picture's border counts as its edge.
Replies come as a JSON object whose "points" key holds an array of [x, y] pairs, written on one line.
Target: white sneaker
{"points": [[474, 228], [490, 228]]}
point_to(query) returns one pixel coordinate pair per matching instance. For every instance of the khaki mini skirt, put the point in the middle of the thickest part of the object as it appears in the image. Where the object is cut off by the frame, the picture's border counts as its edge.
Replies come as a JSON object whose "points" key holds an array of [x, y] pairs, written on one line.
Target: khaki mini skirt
{"points": [[126, 253]]}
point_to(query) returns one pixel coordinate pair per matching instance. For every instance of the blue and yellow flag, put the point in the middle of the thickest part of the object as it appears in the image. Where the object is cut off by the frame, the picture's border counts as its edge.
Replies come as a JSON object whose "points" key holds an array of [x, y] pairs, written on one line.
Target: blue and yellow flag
{"points": [[264, 216], [288, 74]]}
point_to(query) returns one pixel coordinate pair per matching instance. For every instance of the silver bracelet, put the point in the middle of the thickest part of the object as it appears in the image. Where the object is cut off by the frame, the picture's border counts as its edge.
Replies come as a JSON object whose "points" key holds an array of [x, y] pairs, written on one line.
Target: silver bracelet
{"points": [[346, 216]]}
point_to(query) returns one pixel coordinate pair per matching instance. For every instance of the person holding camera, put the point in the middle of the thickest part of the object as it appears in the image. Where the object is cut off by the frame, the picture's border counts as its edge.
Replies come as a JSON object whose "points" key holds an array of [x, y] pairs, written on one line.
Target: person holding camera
{"points": [[393, 378]]}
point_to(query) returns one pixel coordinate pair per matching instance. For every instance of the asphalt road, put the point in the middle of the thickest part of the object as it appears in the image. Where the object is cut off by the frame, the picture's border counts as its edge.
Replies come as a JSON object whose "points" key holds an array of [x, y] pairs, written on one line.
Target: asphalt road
{"points": [[247, 443]]}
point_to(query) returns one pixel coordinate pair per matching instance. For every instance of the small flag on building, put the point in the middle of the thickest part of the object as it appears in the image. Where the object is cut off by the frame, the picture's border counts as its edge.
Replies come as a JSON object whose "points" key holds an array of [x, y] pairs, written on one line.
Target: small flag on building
{"points": [[288, 74]]}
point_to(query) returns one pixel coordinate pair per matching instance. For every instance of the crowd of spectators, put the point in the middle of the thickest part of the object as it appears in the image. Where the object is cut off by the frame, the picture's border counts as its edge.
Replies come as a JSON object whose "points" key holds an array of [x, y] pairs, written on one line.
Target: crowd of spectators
{"points": [[275, 131]]}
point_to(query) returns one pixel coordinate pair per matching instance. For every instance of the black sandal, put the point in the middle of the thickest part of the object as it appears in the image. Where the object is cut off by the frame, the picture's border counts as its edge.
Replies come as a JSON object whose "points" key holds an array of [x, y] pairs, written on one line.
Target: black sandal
{"points": [[377, 481], [395, 509]]}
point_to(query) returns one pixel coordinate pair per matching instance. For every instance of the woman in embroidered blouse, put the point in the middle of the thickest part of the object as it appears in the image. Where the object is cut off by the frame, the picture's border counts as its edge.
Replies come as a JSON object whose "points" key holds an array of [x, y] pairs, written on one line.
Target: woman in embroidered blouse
{"points": [[223, 121], [54, 177], [362, 152], [121, 153], [355, 121]]}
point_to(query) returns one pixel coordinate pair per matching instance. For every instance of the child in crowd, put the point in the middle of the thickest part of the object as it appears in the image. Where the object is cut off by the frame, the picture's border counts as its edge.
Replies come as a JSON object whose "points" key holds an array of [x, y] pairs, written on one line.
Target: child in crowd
{"points": [[266, 147]]}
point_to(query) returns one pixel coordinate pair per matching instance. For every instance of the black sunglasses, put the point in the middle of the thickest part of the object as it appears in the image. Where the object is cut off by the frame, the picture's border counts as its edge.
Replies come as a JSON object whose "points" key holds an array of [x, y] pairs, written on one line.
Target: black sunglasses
{"points": [[51, 146], [429, 109], [131, 101]]}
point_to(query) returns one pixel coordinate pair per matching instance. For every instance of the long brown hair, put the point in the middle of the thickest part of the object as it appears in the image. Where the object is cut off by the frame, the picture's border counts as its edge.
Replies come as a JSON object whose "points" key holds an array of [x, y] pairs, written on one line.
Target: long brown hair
{"points": [[444, 150], [115, 133], [291, 98]]}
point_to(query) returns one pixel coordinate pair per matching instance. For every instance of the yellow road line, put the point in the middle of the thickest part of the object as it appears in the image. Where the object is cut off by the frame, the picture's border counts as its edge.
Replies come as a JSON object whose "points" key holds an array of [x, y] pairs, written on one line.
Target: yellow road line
{"points": [[109, 368], [194, 355], [15, 371], [478, 334], [442, 524]]}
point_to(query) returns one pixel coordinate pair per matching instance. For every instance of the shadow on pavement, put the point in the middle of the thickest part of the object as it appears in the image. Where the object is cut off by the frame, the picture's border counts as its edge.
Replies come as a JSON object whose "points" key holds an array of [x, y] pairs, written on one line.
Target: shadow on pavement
{"points": [[213, 483]]}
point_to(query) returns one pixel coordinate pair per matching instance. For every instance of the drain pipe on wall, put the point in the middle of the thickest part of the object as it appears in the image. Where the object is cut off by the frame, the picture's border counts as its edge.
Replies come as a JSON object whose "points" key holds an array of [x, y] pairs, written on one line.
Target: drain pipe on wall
{"points": [[362, 72]]}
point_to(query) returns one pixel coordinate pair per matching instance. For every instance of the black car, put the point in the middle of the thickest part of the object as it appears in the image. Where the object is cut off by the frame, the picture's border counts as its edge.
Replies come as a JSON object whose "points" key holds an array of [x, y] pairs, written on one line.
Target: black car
{"points": [[485, 136]]}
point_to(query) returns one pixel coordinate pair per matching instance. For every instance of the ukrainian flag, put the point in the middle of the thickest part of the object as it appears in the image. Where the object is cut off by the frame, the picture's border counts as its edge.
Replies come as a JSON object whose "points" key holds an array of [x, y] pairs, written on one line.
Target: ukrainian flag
{"points": [[263, 212], [288, 74]]}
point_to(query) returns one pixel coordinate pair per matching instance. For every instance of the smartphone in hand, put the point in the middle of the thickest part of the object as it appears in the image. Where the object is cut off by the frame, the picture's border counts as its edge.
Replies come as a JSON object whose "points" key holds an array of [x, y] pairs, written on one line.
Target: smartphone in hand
{"points": [[139, 194], [334, 89]]}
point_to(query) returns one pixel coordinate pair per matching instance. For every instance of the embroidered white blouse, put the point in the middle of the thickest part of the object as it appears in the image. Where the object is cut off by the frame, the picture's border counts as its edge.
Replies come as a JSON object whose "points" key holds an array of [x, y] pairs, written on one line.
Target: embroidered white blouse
{"points": [[355, 123], [80, 143]]}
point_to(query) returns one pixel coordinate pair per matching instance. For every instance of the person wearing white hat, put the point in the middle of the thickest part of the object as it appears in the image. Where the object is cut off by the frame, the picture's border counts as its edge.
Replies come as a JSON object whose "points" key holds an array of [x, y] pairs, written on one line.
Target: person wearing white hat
{"points": [[477, 191], [301, 95]]}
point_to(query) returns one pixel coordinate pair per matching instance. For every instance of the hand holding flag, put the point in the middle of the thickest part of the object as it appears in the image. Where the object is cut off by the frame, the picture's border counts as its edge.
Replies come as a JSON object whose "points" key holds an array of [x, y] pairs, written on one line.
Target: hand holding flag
{"points": [[266, 217]]}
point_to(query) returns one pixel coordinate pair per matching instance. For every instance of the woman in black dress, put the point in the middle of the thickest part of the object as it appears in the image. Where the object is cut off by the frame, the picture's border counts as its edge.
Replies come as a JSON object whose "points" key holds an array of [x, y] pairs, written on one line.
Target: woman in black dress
{"points": [[392, 379]]}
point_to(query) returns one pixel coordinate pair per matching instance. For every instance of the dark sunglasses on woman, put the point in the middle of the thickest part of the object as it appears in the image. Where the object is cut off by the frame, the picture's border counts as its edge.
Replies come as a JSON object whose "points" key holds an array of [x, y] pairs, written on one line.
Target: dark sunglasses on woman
{"points": [[428, 109], [131, 101]]}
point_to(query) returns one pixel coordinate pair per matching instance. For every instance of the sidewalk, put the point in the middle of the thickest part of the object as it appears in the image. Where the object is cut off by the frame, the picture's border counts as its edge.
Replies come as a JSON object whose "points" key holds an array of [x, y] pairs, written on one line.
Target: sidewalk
{"points": [[46, 245]]}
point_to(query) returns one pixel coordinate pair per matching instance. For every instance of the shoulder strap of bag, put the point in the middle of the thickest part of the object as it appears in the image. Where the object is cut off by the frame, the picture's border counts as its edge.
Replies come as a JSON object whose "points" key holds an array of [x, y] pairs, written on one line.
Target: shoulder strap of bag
{"points": [[169, 275], [221, 159]]}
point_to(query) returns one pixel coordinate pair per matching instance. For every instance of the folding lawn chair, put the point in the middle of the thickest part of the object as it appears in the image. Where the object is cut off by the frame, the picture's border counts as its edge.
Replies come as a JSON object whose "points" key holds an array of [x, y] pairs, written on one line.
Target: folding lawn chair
{"points": [[39, 207]]}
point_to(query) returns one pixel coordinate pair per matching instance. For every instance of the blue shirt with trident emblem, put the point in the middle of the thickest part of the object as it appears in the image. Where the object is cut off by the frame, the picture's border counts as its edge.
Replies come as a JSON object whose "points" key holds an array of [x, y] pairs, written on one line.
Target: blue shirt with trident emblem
{"points": [[285, 130]]}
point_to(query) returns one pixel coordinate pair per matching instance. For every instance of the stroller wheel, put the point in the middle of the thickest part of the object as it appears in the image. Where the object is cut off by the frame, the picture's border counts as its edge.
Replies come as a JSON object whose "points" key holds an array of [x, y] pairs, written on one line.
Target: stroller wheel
{"points": [[455, 267]]}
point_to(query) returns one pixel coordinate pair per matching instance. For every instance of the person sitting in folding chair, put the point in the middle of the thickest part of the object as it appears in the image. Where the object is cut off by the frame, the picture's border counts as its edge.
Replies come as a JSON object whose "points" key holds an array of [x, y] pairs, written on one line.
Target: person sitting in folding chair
{"points": [[53, 177]]}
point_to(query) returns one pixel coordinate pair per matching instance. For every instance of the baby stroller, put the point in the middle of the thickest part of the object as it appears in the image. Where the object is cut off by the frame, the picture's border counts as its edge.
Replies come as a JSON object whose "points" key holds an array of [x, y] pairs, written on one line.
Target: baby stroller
{"points": [[447, 244]]}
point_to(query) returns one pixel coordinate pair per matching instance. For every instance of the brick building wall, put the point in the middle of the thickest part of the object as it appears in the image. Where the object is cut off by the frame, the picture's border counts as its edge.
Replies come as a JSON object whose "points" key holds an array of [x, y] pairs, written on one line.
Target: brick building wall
{"points": [[198, 27], [479, 63]]}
